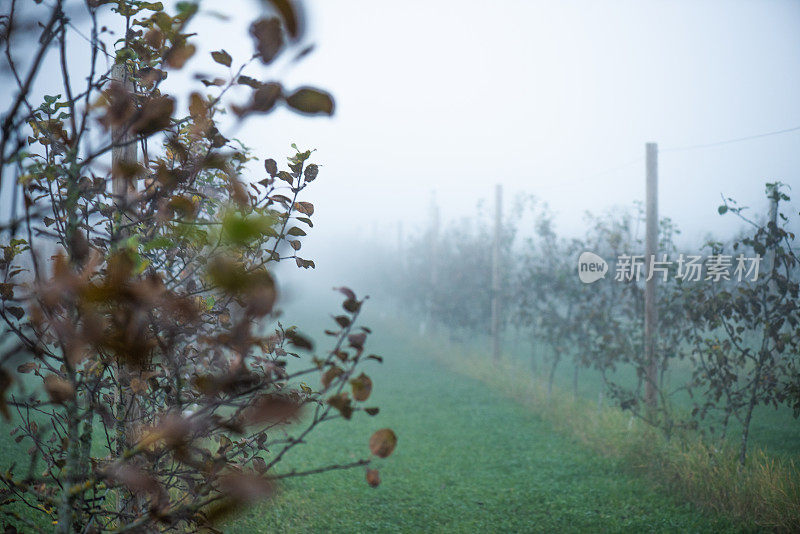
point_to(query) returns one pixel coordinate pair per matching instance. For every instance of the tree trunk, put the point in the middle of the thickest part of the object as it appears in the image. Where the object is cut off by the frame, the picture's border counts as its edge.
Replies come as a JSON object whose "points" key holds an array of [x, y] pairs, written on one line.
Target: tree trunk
{"points": [[72, 470], [749, 416]]}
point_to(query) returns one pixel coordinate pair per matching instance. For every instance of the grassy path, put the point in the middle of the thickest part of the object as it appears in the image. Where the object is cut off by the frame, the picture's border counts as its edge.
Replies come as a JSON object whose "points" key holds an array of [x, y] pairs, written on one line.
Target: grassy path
{"points": [[468, 460]]}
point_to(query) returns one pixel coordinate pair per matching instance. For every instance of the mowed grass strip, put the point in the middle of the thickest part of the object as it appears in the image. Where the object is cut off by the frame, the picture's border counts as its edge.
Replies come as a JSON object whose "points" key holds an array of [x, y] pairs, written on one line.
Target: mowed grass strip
{"points": [[469, 459]]}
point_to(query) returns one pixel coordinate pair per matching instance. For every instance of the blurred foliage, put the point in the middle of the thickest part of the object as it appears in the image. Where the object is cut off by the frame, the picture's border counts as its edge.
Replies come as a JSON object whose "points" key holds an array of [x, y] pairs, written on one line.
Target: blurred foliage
{"points": [[145, 336]]}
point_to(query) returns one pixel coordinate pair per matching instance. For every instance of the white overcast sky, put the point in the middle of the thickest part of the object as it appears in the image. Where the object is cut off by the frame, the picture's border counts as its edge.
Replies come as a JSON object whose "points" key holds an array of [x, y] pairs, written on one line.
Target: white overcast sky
{"points": [[554, 98]]}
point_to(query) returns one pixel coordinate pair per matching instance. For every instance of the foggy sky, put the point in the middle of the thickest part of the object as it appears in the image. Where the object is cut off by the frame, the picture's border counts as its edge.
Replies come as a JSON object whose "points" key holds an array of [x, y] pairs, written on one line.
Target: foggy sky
{"points": [[552, 98]]}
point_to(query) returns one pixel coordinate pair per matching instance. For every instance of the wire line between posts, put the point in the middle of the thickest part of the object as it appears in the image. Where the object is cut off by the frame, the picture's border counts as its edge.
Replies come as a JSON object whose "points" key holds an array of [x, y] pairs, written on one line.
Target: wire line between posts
{"points": [[698, 146]]}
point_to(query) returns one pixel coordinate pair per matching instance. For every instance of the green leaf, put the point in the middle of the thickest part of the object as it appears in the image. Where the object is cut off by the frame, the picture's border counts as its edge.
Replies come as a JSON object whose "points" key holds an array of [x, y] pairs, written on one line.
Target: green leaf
{"points": [[310, 101], [157, 243], [222, 57]]}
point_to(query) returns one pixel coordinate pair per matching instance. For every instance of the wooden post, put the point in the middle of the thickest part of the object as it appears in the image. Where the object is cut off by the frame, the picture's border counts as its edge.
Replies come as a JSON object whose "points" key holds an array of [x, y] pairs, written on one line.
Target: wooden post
{"points": [[651, 246], [498, 216], [123, 187], [773, 218], [123, 153]]}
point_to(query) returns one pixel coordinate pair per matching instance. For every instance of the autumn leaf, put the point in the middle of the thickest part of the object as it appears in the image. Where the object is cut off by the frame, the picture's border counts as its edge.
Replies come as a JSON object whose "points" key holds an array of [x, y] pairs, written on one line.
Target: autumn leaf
{"points": [[271, 166], [311, 172], [289, 15], [58, 389], [269, 38], [222, 57], [383, 442], [373, 478], [362, 387], [342, 403], [310, 101], [330, 375], [305, 207]]}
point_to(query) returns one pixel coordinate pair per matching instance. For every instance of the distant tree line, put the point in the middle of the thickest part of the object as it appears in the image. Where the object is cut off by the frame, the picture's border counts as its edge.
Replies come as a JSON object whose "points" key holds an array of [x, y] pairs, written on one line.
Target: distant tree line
{"points": [[726, 340]]}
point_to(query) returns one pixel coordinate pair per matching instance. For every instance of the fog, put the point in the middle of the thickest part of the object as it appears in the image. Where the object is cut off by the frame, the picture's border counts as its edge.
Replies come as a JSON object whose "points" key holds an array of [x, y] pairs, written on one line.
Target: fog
{"points": [[555, 99], [157, 289]]}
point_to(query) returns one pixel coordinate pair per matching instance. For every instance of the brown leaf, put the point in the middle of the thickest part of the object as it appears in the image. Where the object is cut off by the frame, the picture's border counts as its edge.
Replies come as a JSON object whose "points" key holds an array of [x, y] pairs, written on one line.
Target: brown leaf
{"points": [[311, 172], [290, 16], [342, 403], [263, 100], [154, 116], [351, 305], [305, 207], [271, 408], [26, 367], [119, 105], [373, 478], [5, 383], [269, 38], [298, 340], [347, 292], [357, 340], [264, 97], [250, 82], [271, 166], [198, 108], [58, 389], [362, 387], [179, 54], [261, 299], [154, 38], [331, 374], [383, 442], [260, 465], [6, 291]]}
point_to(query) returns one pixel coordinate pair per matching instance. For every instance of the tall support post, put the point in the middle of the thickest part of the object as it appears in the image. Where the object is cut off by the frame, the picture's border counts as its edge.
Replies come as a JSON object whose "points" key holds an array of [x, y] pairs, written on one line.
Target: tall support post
{"points": [[651, 246], [123, 155], [123, 187], [498, 217]]}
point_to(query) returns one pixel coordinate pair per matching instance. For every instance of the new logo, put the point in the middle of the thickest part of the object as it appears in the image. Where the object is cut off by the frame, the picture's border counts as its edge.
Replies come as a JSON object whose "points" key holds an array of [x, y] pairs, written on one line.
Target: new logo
{"points": [[591, 267]]}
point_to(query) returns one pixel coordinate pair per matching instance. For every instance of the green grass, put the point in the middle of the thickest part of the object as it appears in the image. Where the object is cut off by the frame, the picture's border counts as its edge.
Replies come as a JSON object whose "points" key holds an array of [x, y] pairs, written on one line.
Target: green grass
{"points": [[774, 429], [764, 494], [469, 459]]}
